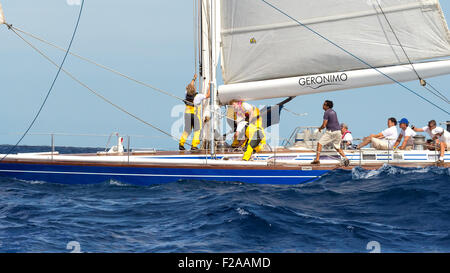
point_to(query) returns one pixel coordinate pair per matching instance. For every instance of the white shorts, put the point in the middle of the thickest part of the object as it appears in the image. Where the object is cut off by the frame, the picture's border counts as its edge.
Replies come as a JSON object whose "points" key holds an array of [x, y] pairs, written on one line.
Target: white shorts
{"points": [[334, 137], [380, 144]]}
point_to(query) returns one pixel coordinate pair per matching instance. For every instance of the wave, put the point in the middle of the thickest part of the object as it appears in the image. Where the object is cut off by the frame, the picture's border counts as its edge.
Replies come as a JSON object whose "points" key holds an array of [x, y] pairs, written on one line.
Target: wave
{"points": [[359, 173], [404, 209]]}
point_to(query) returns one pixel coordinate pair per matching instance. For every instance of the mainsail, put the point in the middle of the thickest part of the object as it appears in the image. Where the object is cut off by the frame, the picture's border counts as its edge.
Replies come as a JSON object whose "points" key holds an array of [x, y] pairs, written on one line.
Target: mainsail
{"points": [[260, 44]]}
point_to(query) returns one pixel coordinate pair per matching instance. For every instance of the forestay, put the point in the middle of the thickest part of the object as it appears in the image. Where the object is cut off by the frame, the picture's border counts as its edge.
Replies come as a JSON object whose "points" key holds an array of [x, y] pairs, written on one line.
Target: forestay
{"points": [[260, 43]]}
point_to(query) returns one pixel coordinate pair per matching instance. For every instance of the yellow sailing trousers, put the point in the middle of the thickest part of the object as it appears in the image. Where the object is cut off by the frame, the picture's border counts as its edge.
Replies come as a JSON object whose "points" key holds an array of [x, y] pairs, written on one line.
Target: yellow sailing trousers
{"points": [[256, 139], [192, 120]]}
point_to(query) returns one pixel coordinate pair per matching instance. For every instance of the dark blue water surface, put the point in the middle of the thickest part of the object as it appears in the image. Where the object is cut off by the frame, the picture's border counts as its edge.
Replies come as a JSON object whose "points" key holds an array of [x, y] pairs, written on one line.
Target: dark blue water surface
{"points": [[403, 210]]}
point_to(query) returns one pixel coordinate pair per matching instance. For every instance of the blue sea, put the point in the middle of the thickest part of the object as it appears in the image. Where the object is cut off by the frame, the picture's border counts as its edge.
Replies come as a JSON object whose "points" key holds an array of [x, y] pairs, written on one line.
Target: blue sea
{"points": [[387, 210]]}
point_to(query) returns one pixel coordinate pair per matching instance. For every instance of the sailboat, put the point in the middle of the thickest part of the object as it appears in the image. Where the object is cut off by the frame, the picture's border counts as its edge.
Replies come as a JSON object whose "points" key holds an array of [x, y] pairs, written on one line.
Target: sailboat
{"points": [[276, 50]]}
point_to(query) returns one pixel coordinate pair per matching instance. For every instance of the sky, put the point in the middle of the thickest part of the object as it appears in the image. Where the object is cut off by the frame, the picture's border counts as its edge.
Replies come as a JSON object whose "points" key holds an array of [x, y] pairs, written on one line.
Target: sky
{"points": [[152, 41]]}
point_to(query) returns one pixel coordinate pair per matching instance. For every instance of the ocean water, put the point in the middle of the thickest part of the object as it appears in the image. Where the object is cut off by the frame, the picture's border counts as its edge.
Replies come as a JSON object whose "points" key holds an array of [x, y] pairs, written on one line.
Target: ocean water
{"points": [[389, 210]]}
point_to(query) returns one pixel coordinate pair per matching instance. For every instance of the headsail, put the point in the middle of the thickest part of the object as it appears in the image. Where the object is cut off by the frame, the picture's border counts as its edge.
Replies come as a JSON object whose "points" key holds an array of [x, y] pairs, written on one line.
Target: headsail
{"points": [[2, 16], [259, 43]]}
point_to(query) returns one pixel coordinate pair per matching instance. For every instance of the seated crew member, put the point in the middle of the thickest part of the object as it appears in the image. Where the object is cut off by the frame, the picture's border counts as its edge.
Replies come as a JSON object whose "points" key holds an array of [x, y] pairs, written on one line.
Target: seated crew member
{"points": [[384, 140], [406, 133], [347, 138], [192, 119], [427, 129], [444, 140]]}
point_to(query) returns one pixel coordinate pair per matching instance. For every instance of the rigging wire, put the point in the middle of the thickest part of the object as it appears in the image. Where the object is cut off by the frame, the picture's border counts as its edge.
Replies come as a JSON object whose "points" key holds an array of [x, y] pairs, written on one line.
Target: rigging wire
{"points": [[52, 84], [442, 96], [40, 39], [422, 81], [97, 64], [353, 55], [110, 70], [93, 91]]}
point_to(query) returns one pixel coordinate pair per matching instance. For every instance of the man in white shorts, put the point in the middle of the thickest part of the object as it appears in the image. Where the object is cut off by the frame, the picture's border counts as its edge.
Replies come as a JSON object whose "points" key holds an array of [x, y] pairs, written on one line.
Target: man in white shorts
{"points": [[332, 135], [384, 140], [444, 140], [406, 133]]}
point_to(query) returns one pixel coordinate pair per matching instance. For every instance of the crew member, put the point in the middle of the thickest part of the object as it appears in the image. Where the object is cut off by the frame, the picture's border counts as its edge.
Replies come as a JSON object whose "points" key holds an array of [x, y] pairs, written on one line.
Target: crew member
{"points": [[347, 138], [332, 135], [254, 132], [444, 140], [384, 140], [246, 111], [406, 133], [192, 118], [433, 142]]}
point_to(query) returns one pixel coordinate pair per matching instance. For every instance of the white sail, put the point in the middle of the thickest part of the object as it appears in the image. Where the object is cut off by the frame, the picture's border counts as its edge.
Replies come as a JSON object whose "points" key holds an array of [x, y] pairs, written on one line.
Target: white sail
{"points": [[2, 16], [304, 85], [260, 43]]}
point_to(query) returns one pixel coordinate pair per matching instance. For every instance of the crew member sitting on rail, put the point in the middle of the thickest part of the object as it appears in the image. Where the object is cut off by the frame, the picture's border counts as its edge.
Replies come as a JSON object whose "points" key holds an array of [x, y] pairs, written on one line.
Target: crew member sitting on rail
{"points": [[406, 133], [431, 144], [192, 119], [444, 139], [347, 138], [384, 140]]}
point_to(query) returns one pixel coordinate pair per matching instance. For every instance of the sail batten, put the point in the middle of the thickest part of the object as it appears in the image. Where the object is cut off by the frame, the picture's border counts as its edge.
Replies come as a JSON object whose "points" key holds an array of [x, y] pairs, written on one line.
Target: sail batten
{"points": [[259, 43]]}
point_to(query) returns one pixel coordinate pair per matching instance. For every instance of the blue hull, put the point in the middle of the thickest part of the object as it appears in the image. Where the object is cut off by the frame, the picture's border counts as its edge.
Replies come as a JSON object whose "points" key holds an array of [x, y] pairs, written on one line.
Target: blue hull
{"points": [[81, 174]]}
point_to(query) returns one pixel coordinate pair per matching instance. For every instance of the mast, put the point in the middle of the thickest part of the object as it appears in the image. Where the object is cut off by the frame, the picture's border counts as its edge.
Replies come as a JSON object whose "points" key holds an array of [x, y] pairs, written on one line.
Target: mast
{"points": [[209, 58], [212, 76]]}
